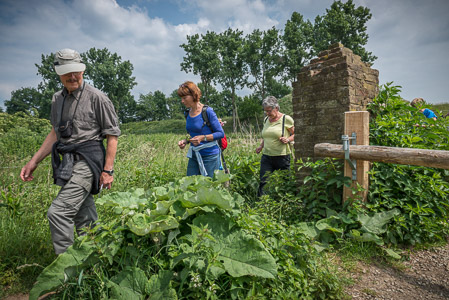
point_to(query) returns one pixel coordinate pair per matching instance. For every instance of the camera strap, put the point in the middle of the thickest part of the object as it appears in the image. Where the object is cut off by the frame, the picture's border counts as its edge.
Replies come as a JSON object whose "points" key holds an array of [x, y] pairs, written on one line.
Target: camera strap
{"points": [[78, 102]]}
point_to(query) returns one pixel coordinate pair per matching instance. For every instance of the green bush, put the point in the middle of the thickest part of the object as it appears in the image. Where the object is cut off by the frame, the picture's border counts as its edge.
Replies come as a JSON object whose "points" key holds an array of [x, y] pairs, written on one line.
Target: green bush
{"points": [[420, 194], [20, 135], [408, 204], [23, 120], [188, 239]]}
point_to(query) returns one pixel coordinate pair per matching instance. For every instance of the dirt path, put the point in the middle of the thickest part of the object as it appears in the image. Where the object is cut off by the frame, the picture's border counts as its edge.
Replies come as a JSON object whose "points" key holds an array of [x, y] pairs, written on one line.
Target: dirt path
{"points": [[425, 276]]}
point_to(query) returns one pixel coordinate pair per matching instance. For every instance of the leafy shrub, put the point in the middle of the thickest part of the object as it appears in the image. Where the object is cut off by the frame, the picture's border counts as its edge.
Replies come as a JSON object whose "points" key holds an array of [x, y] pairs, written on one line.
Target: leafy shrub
{"points": [[23, 120], [421, 196], [281, 200], [419, 193], [245, 174], [393, 123], [291, 202], [21, 135], [188, 239], [411, 201]]}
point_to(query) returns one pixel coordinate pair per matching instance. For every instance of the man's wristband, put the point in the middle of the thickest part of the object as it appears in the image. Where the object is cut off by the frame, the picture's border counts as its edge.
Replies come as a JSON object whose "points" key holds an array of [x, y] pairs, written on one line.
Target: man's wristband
{"points": [[111, 172], [205, 138]]}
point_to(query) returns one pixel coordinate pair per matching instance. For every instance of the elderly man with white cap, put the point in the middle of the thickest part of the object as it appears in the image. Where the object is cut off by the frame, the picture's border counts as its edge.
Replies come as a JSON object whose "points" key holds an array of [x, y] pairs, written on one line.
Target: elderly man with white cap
{"points": [[81, 117]]}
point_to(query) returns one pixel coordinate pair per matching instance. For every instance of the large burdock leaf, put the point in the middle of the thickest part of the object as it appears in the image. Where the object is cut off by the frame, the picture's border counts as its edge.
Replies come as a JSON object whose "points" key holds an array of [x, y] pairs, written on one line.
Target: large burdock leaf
{"points": [[309, 229], [163, 192], [159, 286], [208, 196], [65, 265], [162, 208], [142, 224], [328, 224], [129, 284], [366, 237], [194, 182], [131, 199], [241, 253], [376, 223], [221, 176]]}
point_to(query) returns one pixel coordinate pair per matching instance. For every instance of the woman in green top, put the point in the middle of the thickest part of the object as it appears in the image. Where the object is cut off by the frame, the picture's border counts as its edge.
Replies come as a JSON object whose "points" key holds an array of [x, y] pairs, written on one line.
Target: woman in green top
{"points": [[277, 133]]}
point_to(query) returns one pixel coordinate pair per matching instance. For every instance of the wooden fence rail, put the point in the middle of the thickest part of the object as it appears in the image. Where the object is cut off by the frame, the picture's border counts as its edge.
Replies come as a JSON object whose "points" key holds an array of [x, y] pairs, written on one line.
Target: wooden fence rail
{"points": [[394, 155], [357, 122]]}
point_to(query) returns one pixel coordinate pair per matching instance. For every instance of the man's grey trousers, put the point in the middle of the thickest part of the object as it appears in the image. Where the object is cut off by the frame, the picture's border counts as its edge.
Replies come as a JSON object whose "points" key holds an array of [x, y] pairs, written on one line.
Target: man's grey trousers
{"points": [[74, 206]]}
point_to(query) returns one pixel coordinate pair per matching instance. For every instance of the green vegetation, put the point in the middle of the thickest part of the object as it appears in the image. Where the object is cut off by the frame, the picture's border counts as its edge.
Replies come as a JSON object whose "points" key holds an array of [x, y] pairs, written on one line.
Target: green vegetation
{"points": [[164, 235], [441, 109], [154, 164], [187, 239]]}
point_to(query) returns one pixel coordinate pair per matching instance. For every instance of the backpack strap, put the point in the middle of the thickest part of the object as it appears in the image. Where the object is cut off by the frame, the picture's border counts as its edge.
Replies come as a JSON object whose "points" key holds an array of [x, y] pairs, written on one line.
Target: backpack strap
{"points": [[283, 124], [203, 114], [205, 117]]}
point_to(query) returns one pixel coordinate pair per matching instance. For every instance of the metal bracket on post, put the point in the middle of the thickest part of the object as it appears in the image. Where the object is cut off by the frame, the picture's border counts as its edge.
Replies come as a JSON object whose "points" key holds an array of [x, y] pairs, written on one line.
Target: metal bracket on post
{"points": [[352, 163]]}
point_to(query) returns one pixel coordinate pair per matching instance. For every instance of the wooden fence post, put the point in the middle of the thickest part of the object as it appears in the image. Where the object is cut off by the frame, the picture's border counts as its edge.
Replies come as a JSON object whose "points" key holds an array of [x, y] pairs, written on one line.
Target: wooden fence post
{"points": [[358, 122]]}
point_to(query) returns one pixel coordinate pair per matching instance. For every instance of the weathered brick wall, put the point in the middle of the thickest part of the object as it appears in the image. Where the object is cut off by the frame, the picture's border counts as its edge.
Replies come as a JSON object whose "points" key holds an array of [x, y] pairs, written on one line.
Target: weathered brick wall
{"points": [[335, 82]]}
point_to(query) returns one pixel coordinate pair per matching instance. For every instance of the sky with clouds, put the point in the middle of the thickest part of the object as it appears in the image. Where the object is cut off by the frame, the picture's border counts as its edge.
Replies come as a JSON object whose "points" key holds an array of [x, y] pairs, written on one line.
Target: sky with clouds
{"points": [[410, 37]]}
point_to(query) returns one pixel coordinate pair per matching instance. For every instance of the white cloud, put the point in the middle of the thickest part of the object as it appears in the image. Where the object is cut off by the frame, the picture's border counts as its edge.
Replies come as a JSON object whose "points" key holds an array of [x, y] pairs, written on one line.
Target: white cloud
{"points": [[246, 15], [410, 37], [151, 45]]}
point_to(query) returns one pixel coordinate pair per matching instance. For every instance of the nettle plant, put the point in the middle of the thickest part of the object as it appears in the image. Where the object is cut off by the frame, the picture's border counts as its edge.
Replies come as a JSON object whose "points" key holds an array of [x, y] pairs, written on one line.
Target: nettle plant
{"points": [[420, 194]]}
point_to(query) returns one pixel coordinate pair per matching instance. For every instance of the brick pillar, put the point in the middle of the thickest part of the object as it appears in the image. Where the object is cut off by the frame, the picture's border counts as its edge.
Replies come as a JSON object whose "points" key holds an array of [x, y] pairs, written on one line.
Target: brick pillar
{"points": [[335, 82]]}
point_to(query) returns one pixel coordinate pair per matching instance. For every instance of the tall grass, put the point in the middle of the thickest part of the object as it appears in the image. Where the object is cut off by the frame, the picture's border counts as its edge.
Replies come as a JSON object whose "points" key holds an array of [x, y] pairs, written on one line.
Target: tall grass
{"points": [[441, 108], [25, 243], [142, 160]]}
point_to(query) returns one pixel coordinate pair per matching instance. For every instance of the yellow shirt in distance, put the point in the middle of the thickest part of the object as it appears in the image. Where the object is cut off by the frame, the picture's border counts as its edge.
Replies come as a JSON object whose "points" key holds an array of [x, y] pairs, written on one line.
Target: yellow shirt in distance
{"points": [[271, 133]]}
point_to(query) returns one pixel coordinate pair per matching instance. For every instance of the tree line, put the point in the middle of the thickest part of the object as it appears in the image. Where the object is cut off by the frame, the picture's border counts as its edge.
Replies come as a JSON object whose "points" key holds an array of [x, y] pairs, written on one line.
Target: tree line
{"points": [[264, 61]]}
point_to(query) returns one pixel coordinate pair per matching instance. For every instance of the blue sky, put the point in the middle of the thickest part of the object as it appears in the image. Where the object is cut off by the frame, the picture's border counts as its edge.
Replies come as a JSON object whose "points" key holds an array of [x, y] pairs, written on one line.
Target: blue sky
{"points": [[410, 37]]}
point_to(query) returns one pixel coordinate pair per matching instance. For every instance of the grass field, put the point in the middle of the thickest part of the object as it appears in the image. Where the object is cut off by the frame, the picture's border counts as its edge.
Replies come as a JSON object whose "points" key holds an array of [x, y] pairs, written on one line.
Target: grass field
{"points": [[143, 160], [442, 107]]}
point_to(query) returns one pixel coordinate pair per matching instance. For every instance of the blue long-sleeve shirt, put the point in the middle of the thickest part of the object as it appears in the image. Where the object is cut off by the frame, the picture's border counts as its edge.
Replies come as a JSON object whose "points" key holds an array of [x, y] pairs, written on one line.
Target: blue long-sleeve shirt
{"points": [[429, 114], [194, 127]]}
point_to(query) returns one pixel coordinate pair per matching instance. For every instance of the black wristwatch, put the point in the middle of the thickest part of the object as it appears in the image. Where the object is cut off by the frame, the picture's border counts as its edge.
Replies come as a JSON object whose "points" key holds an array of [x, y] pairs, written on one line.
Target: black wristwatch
{"points": [[111, 172]]}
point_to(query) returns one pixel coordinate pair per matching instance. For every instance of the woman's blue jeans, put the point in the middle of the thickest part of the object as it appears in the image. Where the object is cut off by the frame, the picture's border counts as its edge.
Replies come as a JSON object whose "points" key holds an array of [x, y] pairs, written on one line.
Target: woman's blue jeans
{"points": [[211, 163]]}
